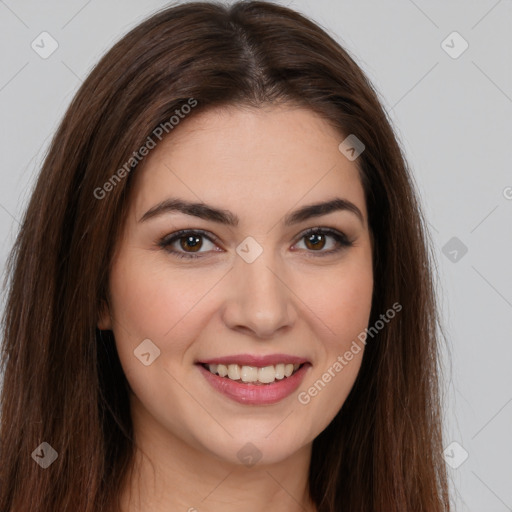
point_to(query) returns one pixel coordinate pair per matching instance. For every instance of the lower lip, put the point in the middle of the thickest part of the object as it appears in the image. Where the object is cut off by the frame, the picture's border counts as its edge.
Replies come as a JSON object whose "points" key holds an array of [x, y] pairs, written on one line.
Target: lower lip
{"points": [[256, 394]]}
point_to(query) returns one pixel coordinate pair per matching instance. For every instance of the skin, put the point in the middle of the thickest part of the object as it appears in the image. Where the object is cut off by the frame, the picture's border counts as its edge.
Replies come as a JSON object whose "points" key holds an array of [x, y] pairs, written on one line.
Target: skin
{"points": [[260, 164]]}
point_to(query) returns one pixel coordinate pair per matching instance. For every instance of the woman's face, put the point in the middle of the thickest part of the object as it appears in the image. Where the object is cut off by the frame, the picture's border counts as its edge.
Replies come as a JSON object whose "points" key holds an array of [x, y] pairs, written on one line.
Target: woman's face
{"points": [[250, 283]]}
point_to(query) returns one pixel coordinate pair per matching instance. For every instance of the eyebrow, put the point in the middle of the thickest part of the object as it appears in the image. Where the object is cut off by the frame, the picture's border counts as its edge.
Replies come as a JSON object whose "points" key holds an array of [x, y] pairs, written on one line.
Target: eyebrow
{"points": [[206, 212]]}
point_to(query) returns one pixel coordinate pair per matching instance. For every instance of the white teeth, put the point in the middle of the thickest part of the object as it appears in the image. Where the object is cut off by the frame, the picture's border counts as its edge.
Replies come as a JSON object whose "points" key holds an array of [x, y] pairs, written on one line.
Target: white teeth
{"points": [[249, 374], [222, 370], [234, 371], [264, 375], [267, 374], [288, 370], [279, 371]]}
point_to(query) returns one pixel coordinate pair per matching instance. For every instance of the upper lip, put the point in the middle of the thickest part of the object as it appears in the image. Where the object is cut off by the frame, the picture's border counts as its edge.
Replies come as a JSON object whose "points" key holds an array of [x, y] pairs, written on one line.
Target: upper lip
{"points": [[255, 360]]}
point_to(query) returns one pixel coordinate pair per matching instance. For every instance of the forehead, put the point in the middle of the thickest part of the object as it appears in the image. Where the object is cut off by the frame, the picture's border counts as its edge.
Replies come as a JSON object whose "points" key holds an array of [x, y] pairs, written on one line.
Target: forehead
{"points": [[260, 160]]}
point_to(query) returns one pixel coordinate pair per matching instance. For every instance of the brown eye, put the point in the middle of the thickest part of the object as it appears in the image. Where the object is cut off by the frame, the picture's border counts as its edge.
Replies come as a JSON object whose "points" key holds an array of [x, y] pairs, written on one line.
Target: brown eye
{"points": [[192, 242], [186, 243], [315, 241]]}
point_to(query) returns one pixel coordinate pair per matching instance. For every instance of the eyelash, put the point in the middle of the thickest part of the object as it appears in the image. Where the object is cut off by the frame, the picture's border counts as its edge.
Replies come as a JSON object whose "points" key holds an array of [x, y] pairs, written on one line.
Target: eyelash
{"points": [[168, 240]]}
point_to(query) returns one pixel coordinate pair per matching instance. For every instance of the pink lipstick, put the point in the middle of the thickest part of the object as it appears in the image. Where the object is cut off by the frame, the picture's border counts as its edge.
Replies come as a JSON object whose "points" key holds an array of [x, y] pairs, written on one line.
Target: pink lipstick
{"points": [[279, 376]]}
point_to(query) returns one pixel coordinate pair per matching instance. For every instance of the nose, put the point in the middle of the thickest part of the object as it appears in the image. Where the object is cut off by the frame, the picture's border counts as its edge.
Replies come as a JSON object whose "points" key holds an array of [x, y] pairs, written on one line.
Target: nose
{"points": [[259, 302]]}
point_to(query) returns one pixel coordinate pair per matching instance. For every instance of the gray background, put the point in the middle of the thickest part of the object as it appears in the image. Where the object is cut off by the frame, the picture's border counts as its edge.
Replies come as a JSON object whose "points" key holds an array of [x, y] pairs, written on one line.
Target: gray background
{"points": [[453, 117]]}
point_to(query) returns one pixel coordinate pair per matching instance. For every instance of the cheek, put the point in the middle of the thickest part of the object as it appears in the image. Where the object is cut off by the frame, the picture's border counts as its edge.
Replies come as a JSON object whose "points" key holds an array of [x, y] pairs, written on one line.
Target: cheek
{"points": [[144, 306], [341, 299], [349, 310], [345, 313], [152, 301], [149, 297], [344, 310]]}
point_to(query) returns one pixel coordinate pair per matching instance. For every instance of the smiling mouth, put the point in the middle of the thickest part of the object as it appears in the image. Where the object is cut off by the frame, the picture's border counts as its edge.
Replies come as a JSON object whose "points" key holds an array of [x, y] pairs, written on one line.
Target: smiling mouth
{"points": [[253, 374]]}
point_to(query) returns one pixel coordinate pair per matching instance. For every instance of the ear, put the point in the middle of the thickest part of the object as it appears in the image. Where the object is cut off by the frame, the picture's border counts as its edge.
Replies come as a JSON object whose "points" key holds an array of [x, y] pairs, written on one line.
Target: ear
{"points": [[104, 318]]}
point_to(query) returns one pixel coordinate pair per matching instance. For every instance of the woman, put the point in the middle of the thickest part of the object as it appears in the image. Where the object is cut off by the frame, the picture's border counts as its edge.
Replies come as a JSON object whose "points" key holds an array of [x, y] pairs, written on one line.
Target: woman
{"points": [[221, 295]]}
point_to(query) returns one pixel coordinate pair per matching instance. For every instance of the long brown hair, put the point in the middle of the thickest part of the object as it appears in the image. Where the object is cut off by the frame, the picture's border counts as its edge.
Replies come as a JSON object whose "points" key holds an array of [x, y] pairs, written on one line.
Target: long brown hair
{"points": [[63, 382]]}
